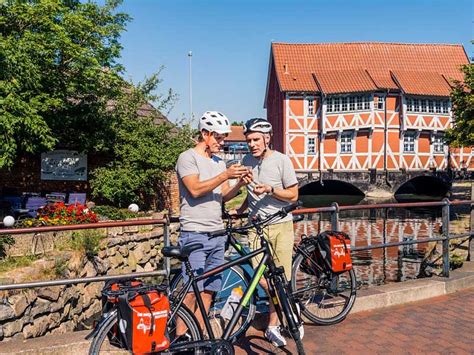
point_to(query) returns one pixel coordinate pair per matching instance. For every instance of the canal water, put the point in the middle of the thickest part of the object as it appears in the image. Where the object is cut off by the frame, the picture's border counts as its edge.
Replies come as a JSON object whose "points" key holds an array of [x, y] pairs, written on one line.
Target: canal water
{"points": [[370, 227]]}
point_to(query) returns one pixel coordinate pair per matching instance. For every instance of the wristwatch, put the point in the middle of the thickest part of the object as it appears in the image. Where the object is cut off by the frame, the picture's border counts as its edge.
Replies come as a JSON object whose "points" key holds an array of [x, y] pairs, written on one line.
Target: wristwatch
{"points": [[272, 191]]}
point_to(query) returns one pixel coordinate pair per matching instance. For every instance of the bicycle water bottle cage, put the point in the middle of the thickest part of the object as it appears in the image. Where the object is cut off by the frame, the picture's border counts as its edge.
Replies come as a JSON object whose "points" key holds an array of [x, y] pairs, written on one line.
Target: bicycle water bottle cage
{"points": [[181, 253]]}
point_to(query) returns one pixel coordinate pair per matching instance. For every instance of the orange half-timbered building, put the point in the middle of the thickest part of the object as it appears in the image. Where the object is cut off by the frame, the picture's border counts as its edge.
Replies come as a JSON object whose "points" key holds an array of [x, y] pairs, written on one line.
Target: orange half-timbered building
{"points": [[364, 106]]}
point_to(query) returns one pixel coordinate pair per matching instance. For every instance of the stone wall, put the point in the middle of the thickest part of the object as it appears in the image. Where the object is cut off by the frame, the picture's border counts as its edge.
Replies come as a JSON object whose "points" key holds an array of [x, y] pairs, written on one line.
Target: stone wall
{"points": [[59, 309]]}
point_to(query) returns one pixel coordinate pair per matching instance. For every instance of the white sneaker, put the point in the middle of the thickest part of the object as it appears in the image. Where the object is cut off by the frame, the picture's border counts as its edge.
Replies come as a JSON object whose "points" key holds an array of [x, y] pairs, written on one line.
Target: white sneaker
{"points": [[301, 328], [274, 336]]}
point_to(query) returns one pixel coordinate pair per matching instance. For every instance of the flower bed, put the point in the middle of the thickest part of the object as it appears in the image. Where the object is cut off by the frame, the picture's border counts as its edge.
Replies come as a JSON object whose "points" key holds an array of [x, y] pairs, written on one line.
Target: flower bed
{"points": [[60, 214]]}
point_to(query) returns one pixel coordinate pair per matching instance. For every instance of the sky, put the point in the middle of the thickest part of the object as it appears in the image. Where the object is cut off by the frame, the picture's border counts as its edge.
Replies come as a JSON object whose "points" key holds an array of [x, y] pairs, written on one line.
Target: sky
{"points": [[230, 41]]}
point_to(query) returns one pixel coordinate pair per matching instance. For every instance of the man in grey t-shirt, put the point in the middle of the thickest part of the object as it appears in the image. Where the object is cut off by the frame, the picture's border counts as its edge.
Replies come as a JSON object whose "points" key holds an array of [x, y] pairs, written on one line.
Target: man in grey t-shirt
{"points": [[203, 186], [274, 186]]}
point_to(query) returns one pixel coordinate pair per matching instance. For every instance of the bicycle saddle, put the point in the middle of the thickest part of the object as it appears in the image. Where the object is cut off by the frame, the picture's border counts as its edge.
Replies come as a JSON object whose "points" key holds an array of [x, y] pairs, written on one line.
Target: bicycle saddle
{"points": [[180, 253]]}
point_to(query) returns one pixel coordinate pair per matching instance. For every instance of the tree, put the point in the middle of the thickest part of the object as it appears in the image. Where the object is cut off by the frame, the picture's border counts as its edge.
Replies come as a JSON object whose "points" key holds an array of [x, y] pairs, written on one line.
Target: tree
{"points": [[143, 153], [58, 70], [462, 98]]}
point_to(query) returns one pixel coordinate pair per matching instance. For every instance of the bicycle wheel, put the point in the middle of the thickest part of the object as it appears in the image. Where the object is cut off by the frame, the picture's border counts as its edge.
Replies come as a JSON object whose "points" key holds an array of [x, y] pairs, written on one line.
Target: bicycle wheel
{"points": [[101, 344], [324, 300], [231, 278]]}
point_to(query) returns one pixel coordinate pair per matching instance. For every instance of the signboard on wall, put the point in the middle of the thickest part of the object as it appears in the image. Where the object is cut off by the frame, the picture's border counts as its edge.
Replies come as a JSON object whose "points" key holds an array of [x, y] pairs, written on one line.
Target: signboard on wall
{"points": [[64, 165]]}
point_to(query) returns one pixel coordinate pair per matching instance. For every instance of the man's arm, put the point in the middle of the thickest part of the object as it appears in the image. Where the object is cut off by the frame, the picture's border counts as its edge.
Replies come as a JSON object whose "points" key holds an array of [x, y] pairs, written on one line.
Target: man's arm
{"points": [[199, 188], [288, 194]]}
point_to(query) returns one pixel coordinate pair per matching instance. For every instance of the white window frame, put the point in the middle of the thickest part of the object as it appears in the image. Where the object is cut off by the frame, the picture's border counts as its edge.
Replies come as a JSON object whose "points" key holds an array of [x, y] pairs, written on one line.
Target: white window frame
{"points": [[380, 102], [310, 145], [346, 141], [438, 143], [409, 139], [310, 106]]}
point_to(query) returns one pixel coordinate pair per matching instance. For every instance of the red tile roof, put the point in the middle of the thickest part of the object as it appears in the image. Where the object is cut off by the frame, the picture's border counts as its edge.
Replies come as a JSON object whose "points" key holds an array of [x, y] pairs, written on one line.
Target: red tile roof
{"points": [[422, 83], [340, 81], [295, 64], [237, 134]]}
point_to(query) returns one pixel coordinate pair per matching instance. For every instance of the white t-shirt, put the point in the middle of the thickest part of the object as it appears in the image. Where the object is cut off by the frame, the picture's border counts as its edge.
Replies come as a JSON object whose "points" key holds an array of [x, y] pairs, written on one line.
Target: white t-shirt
{"points": [[275, 170], [203, 214]]}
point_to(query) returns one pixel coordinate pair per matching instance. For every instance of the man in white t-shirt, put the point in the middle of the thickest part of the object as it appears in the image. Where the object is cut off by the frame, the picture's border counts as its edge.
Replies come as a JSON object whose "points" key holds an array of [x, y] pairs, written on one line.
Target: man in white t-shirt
{"points": [[203, 186], [274, 186]]}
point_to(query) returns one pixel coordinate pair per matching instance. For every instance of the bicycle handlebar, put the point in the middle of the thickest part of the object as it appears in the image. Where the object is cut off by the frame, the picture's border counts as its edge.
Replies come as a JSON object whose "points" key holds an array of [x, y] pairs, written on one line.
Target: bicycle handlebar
{"points": [[257, 222]]}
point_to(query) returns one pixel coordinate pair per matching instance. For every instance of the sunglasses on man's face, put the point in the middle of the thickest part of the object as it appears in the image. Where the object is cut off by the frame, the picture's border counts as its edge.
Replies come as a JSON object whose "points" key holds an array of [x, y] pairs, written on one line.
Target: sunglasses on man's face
{"points": [[220, 137]]}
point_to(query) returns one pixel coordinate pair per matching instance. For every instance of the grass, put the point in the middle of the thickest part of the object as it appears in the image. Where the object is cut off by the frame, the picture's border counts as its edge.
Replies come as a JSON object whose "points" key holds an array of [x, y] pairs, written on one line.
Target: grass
{"points": [[13, 262], [86, 241], [237, 200]]}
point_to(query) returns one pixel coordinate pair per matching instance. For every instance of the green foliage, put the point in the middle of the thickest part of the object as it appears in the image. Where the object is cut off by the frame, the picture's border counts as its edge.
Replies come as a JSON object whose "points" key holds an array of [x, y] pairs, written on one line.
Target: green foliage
{"points": [[86, 242], [462, 98], [114, 213], [58, 70], [237, 123], [13, 262], [143, 152], [60, 266], [5, 241]]}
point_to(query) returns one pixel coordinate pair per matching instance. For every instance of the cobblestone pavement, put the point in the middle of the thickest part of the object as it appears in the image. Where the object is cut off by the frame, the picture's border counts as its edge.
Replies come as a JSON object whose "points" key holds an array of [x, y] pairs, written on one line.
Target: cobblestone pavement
{"points": [[441, 325]]}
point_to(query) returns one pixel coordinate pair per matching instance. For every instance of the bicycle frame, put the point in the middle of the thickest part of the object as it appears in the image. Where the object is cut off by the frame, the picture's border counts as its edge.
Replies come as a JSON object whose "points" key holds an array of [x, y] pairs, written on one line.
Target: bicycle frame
{"points": [[260, 271]]}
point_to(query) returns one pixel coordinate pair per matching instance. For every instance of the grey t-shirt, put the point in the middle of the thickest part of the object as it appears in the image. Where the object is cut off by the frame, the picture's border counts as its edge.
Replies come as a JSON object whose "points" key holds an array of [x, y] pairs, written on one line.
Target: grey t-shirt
{"points": [[275, 170], [204, 213]]}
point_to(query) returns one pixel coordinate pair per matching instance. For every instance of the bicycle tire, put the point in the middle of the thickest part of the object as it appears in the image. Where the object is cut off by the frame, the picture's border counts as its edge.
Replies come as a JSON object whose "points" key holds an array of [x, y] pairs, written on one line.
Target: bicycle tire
{"points": [[327, 302], [100, 343], [232, 277]]}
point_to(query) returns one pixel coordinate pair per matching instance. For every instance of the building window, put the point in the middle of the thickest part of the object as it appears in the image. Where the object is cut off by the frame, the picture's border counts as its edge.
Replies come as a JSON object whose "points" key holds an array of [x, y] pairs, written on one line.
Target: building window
{"points": [[427, 105], [343, 104], [348, 103], [431, 106], [409, 142], [438, 143], [352, 103], [346, 142], [445, 106], [380, 102], [310, 102], [311, 148]]}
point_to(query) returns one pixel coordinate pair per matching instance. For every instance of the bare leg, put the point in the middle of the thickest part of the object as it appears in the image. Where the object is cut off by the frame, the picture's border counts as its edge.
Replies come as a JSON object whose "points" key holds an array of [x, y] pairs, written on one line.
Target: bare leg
{"points": [[274, 321], [190, 302]]}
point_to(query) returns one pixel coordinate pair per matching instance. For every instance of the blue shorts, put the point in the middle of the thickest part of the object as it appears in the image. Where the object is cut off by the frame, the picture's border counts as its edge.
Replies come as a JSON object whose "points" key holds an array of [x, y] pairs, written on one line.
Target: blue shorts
{"points": [[205, 259]]}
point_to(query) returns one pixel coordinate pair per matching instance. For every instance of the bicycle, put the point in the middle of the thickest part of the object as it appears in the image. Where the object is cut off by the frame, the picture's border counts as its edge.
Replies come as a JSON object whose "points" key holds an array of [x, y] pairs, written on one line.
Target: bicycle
{"points": [[325, 298], [279, 287]]}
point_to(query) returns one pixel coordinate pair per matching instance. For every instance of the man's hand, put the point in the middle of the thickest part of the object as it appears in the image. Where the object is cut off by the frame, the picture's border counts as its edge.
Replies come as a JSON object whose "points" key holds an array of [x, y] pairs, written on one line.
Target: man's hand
{"points": [[236, 171], [246, 179], [262, 189]]}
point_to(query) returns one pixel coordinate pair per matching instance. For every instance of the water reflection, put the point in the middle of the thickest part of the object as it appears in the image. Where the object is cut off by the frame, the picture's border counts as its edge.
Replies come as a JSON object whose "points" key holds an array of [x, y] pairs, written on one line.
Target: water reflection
{"points": [[370, 227]]}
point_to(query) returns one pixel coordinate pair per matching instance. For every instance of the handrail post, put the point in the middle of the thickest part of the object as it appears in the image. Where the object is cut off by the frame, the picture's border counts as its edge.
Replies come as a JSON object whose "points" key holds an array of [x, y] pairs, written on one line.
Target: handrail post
{"points": [[445, 221], [335, 217], [166, 242]]}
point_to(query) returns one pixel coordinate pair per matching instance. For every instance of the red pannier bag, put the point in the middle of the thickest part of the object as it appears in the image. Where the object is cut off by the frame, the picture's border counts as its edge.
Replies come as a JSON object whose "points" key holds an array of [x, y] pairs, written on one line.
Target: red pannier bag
{"points": [[142, 318], [110, 297], [335, 249]]}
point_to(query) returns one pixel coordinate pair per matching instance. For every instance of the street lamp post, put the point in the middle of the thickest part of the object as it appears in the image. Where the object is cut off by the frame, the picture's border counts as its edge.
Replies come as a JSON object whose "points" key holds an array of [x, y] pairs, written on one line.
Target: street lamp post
{"points": [[190, 56]]}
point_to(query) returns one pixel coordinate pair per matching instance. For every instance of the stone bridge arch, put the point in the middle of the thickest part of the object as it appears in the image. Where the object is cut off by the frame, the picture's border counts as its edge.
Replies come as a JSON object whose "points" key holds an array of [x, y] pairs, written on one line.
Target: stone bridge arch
{"points": [[378, 183]]}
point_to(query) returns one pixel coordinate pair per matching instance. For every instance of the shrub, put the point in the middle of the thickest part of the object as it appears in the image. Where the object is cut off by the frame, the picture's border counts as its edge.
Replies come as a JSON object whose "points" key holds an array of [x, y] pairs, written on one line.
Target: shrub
{"points": [[114, 213], [58, 213]]}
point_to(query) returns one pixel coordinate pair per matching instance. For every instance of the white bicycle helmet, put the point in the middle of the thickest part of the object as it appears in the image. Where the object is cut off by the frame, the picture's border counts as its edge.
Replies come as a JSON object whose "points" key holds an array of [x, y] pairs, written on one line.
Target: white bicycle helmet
{"points": [[257, 125], [213, 121]]}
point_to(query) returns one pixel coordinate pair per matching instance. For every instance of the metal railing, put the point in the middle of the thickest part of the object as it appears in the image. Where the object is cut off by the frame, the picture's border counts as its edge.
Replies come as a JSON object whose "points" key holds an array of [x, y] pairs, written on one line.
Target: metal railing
{"points": [[61, 282], [334, 210], [445, 204]]}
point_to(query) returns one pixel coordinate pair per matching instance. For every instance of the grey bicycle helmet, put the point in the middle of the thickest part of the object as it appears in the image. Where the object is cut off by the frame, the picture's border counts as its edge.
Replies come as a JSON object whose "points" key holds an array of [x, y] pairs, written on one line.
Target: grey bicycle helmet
{"points": [[257, 125]]}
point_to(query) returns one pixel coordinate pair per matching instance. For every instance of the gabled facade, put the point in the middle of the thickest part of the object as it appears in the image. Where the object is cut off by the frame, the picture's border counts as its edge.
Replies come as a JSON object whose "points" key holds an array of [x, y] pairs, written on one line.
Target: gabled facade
{"points": [[364, 106]]}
